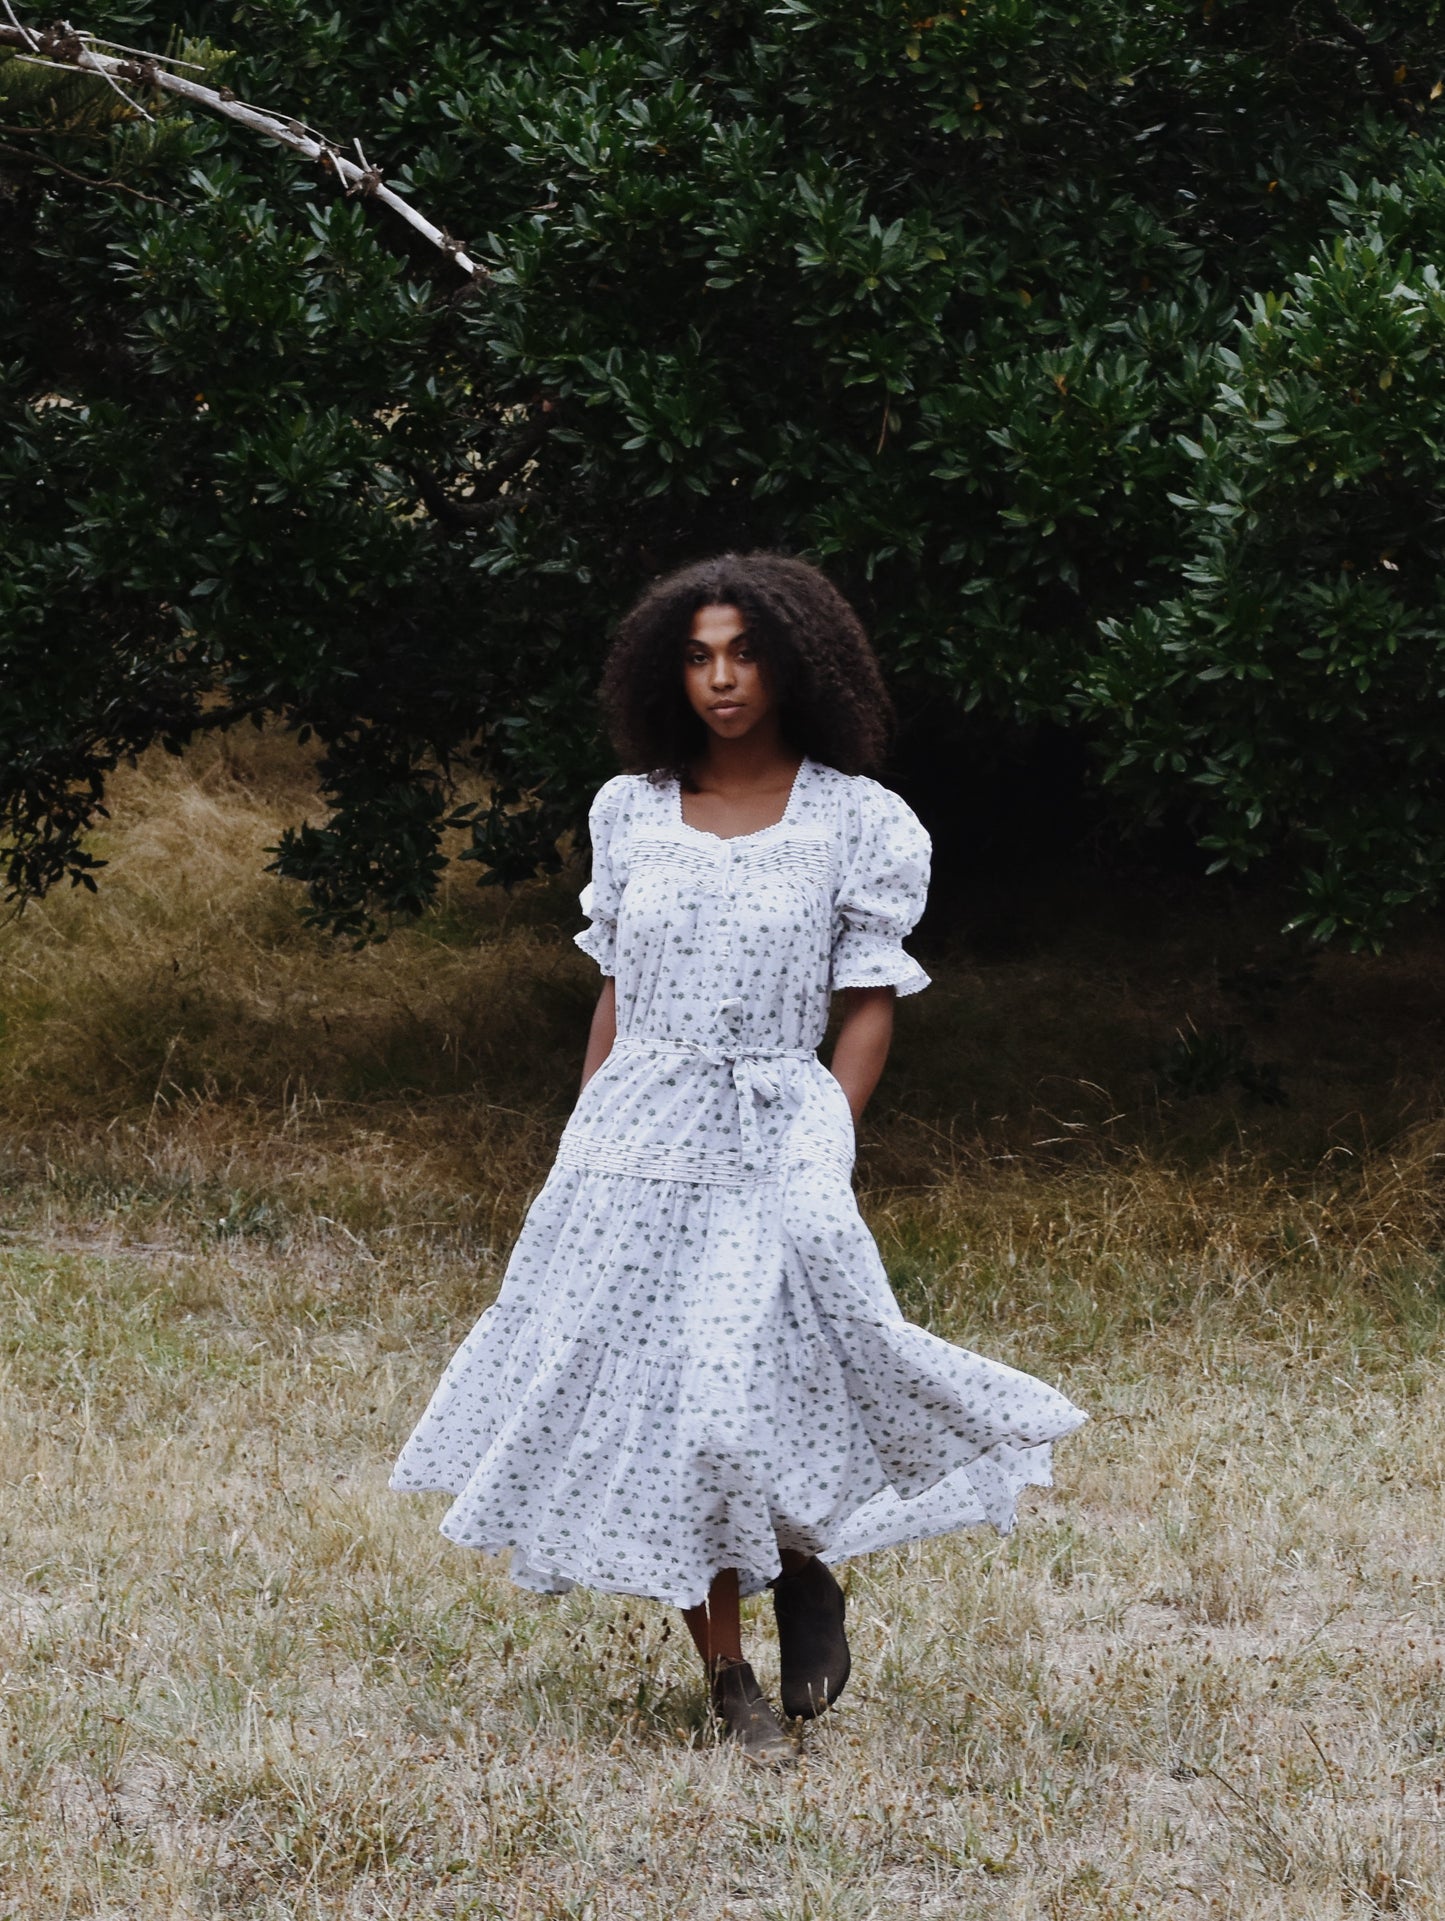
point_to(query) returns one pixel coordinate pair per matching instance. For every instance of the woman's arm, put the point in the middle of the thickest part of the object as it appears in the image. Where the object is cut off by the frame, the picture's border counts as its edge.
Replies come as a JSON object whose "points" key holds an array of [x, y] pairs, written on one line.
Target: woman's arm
{"points": [[863, 1043], [603, 1032]]}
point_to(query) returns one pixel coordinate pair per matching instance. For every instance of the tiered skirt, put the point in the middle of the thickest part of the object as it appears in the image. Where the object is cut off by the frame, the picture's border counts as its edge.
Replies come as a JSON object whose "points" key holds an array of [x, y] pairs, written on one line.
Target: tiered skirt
{"points": [[679, 1377]]}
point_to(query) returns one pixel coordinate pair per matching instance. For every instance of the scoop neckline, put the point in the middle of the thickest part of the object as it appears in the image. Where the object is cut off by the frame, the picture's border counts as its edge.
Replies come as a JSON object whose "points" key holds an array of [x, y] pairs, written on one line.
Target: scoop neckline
{"points": [[726, 840]]}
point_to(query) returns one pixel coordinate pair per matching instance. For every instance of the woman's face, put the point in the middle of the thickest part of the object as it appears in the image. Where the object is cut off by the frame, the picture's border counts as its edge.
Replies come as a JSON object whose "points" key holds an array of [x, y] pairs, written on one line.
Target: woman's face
{"points": [[728, 686]]}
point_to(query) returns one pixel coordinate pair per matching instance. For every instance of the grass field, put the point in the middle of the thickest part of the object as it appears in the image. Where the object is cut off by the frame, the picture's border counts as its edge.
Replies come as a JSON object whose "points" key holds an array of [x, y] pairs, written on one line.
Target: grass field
{"points": [[255, 1188]]}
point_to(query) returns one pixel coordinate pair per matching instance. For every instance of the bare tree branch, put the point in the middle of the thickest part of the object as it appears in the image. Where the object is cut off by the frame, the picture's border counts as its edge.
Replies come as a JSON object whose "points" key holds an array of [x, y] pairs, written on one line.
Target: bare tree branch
{"points": [[1387, 69], [76, 51], [457, 516], [486, 499], [85, 179], [27, 37]]}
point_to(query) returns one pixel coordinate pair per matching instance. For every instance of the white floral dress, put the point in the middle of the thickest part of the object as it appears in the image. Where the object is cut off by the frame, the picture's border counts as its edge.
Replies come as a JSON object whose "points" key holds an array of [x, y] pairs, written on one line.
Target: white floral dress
{"points": [[695, 1356]]}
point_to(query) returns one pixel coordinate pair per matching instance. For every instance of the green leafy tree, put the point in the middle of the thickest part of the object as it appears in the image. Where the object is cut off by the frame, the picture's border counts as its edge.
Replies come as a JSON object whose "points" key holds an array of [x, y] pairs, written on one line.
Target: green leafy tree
{"points": [[1296, 684], [1027, 319]]}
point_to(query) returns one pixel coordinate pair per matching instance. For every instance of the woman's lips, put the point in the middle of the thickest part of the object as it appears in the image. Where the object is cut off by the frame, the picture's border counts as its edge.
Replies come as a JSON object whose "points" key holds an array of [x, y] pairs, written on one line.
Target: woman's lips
{"points": [[728, 707]]}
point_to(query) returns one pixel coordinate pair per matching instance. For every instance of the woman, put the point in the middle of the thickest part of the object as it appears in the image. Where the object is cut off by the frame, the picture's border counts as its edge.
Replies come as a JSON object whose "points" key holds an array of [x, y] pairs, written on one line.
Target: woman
{"points": [[695, 1382]]}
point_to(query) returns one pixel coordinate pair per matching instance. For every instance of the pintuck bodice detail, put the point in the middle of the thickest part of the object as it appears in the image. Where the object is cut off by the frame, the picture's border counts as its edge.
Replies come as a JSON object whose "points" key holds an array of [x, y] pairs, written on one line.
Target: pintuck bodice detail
{"points": [[725, 954]]}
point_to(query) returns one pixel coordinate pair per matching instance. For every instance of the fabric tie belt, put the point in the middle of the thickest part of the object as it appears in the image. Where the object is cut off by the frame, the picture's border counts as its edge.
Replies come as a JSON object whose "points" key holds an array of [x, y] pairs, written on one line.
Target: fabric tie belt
{"points": [[756, 1073]]}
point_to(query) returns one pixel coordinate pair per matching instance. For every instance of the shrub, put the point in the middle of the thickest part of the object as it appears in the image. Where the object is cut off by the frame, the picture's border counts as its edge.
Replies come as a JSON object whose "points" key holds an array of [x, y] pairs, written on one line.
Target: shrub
{"points": [[948, 302]]}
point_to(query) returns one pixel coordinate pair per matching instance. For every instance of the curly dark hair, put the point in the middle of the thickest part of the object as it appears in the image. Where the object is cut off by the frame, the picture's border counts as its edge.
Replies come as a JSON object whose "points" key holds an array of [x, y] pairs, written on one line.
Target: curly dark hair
{"points": [[832, 702]]}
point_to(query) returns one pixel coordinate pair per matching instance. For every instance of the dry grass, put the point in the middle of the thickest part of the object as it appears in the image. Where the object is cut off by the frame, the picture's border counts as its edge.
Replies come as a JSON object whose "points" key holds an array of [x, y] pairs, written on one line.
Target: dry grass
{"points": [[256, 1189]]}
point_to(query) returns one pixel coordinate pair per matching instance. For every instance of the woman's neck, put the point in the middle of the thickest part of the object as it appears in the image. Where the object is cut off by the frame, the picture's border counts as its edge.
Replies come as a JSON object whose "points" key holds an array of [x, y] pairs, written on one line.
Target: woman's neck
{"points": [[760, 759]]}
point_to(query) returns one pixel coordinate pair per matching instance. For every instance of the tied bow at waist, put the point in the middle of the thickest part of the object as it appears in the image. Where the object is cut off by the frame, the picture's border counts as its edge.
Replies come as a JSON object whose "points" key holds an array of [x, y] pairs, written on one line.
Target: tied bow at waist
{"points": [[757, 1073]]}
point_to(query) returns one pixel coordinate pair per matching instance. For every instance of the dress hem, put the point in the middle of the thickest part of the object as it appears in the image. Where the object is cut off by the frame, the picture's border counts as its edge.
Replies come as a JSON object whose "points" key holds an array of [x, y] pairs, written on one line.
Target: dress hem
{"points": [[551, 1578]]}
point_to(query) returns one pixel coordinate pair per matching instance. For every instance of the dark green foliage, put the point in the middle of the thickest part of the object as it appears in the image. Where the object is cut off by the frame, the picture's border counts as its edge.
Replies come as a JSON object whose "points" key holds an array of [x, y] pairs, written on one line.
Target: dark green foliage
{"points": [[1208, 1060], [1051, 330], [1298, 681]]}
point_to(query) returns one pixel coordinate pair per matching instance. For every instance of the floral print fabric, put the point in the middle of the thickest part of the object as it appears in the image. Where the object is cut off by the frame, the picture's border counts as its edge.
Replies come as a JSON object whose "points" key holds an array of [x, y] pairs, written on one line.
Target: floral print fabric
{"points": [[695, 1357]]}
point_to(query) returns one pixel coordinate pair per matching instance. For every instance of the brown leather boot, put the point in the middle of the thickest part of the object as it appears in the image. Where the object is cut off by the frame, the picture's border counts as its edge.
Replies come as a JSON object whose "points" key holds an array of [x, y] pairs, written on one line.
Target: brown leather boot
{"points": [[812, 1647], [748, 1721]]}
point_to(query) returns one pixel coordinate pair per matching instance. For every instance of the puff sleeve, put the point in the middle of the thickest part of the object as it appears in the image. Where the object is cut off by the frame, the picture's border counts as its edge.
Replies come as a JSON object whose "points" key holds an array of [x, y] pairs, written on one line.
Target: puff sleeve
{"points": [[602, 896], [883, 889]]}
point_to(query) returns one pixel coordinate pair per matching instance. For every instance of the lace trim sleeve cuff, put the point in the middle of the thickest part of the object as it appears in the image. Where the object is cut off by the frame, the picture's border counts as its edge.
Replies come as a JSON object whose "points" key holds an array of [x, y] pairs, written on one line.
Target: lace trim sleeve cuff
{"points": [[599, 940], [875, 960]]}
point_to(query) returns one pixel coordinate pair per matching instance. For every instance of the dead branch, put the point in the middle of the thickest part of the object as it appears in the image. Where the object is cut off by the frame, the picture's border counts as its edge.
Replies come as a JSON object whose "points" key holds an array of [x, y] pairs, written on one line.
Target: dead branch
{"points": [[73, 50]]}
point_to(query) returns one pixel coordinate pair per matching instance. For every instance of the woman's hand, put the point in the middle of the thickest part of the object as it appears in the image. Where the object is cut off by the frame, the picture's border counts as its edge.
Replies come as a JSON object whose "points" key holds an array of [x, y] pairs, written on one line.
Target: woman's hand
{"points": [[863, 1043], [603, 1031]]}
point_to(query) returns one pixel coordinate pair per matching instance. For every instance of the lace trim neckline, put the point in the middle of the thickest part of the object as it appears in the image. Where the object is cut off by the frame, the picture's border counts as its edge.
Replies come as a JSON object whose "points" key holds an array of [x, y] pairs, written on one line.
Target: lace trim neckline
{"points": [[726, 840]]}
